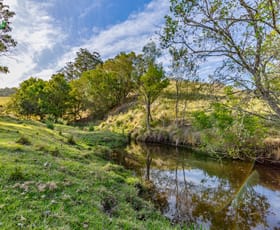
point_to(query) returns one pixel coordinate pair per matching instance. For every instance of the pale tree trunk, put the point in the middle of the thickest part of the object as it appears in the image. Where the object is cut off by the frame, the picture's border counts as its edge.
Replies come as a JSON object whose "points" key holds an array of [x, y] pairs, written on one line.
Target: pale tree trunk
{"points": [[266, 95], [148, 114], [177, 103]]}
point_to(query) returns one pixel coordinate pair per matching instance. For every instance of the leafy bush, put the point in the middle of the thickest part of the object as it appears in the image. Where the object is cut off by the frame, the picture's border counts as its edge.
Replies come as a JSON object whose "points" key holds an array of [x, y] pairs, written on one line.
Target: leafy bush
{"points": [[201, 120], [91, 128], [50, 124], [70, 140], [235, 133], [23, 141], [16, 174]]}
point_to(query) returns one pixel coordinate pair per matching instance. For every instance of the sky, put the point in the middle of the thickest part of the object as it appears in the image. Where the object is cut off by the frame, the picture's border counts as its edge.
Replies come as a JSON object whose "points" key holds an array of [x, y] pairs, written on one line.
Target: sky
{"points": [[50, 32]]}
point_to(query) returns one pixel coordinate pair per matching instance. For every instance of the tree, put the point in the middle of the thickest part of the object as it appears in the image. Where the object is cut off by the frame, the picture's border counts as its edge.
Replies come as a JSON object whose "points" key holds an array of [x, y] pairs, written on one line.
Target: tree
{"points": [[122, 66], [100, 90], [57, 97], [150, 77], [244, 33], [151, 84], [78, 101], [183, 69], [6, 41], [84, 60], [29, 97]]}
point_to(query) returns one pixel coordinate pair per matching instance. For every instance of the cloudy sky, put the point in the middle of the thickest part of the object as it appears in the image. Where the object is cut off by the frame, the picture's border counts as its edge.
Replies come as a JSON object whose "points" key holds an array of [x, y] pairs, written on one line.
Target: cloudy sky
{"points": [[49, 32]]}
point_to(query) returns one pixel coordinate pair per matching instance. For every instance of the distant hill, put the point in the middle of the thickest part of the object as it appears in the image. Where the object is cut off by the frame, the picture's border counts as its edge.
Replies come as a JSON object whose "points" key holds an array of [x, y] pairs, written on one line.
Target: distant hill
{"points": [[5, 92]]}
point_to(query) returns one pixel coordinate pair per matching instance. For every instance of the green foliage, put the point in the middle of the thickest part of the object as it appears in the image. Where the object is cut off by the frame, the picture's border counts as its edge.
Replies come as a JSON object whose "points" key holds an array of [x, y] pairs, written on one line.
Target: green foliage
{"points": [[84, 61], [23, 141], [152, 83], [6, 40], [16, 175], [56, 100], [36, 97], [71, 140], [209, 28], [222, 116], [237, 134], [29, 97], [101, 88], [201, 120], [49, 124], [151, 78], [91, 128], [122, 66]]}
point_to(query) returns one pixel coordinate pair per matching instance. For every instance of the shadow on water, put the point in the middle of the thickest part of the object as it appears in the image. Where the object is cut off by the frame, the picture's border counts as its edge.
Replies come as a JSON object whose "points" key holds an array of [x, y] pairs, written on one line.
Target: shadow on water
{"points": [[209, 192]]}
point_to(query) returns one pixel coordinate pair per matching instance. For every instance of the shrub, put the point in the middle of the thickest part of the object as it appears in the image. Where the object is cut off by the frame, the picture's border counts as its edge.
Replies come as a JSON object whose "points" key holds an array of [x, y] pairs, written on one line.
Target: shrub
{"points": [[91, 128], [16, 174], [54, 152], [23, 141], [70, 140], [50, 124], [236, 133], [109, 203], [201, 120]]}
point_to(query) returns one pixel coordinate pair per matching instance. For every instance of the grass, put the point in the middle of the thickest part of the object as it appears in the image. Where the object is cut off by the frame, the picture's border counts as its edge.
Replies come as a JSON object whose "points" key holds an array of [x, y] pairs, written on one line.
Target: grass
{"points": [[4, 101], [48, 183], [194, 97]]}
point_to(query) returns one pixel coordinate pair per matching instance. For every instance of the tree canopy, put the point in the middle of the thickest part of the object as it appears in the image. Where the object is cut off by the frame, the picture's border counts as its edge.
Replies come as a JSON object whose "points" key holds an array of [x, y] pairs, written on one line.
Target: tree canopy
{"points": [[245, 33], [84, 61], [6, 40]]}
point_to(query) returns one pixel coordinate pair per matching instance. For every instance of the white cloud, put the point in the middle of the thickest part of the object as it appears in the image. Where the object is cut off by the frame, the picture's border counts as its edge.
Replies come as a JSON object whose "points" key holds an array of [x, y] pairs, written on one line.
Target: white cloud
{"points": [[35, 32], [130, 35], [87, 10]]}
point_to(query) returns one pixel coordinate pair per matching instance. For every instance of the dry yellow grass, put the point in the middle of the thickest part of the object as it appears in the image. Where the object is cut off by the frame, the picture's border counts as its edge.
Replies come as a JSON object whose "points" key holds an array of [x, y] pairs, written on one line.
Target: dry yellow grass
{"points": [[4, 101]]}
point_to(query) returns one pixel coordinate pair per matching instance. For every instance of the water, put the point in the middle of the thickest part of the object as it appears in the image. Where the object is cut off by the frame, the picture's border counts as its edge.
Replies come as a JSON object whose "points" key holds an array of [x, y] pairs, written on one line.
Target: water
{"points": [[215, 194]]}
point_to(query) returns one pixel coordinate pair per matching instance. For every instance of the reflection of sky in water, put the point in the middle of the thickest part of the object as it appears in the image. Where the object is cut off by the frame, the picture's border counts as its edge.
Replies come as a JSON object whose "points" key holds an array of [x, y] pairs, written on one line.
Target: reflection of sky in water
{"points": [[195, 177], [216, 194], [198, 180], [274, 201]]}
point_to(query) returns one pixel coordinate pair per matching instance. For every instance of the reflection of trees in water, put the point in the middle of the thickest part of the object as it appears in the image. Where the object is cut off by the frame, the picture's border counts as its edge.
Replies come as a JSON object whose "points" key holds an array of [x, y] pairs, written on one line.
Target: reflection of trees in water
{"points": [[201, 203], [210, 199]]}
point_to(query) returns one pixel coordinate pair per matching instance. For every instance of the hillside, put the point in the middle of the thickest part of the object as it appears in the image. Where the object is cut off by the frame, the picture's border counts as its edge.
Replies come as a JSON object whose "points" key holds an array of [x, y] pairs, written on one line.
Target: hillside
{"points": [[59, 177], [193, 97], [248, 135]]}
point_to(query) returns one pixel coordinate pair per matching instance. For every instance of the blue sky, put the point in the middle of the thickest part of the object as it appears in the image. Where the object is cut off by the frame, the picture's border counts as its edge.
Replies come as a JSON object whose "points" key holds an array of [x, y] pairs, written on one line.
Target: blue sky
{"points": [[49, 32]]}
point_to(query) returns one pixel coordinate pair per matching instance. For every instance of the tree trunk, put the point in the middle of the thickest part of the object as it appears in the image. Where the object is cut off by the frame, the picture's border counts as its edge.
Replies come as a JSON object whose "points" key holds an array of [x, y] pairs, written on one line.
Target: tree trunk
{"points": [[177, 103], [148, 114], [266, 96]]}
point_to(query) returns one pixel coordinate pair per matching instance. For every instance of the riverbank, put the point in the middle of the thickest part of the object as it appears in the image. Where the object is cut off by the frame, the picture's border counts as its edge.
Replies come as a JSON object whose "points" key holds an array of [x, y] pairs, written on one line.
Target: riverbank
{"points": [[57, 177], [266, 153]]}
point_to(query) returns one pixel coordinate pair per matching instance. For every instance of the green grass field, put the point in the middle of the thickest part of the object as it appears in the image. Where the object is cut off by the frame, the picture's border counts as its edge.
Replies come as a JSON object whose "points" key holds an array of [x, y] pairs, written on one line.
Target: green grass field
{"points": [[61, 179]]}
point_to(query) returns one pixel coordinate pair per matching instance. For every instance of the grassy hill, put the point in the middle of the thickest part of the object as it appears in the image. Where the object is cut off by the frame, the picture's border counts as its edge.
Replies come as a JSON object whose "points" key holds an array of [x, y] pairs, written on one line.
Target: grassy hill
{"points": [[59, 177], [263, 142], [193, 97]]}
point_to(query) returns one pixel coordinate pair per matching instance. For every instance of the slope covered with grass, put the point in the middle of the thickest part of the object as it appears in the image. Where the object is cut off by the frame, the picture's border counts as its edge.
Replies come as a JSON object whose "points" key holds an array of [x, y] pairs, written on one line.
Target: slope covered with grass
{"points": [[212, 118], [192, 97], [60, 178]]}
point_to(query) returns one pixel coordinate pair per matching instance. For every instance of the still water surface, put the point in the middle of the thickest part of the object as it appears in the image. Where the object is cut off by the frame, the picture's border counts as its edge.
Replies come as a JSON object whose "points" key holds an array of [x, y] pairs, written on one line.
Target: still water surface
{"points": [[216, 194]]}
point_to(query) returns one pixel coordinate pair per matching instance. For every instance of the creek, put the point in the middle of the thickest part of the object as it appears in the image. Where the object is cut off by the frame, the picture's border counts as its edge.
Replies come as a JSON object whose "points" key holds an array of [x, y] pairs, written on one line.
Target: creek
{"points": [[212, 193]]}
